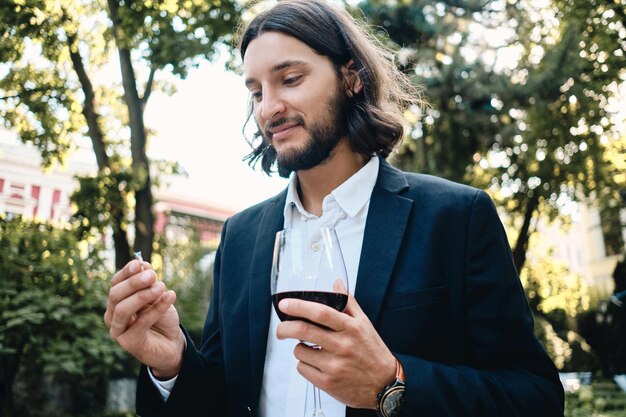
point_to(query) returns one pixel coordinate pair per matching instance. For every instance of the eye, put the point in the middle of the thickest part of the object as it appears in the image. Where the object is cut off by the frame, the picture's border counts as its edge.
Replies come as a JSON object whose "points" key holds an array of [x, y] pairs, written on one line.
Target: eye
{"points": [[292, 80], [256, 96]]}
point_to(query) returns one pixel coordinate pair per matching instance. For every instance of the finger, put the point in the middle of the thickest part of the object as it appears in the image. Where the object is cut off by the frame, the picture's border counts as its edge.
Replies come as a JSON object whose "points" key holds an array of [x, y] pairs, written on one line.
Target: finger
{"points": [[126, 288], [316, 312], [311, 374], [131, 285], [301, 330], [128, 270], [313, 356], [152, 314], [123, 286], [126, 310]]}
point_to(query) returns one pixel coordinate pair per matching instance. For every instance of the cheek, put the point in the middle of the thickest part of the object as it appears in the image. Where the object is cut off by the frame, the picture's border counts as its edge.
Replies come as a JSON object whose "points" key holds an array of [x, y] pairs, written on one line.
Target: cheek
{"points": [[256, 113], [314, 103]]}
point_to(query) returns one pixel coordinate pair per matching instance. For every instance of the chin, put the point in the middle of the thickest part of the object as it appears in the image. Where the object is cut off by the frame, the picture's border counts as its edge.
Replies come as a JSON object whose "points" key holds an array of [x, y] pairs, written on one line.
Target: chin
{"points": [[288, 150]]}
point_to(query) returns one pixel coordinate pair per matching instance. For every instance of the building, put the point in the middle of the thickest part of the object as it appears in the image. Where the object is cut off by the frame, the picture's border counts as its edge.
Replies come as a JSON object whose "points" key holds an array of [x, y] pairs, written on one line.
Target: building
{"points": [[27, 190], [583, 246], [30, 191]]}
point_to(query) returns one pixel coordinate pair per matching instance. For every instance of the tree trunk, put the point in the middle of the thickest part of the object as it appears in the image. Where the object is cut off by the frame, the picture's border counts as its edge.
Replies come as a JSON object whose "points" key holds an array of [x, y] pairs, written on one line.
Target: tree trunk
{"points": [[9, 365], [120, 238], [426, 169], [144, 218], [521, 246]]}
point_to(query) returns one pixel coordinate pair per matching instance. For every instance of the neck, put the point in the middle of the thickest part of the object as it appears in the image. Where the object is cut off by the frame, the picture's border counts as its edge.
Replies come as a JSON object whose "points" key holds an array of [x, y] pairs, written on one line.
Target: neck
{"points": [[316, 183]]}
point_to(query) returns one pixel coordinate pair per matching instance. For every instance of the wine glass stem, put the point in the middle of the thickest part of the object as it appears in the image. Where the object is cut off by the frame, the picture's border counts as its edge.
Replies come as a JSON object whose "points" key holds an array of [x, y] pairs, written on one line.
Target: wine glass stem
{"points": [[317, 403]]}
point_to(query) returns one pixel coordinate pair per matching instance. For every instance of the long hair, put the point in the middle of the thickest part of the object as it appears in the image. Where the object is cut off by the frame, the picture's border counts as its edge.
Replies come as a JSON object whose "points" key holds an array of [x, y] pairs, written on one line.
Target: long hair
{"points": [[374, 116]]}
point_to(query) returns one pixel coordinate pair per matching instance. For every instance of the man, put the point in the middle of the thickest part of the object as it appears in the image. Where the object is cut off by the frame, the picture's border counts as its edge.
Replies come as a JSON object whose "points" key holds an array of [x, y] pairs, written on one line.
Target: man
{"points": [[438, 324]]}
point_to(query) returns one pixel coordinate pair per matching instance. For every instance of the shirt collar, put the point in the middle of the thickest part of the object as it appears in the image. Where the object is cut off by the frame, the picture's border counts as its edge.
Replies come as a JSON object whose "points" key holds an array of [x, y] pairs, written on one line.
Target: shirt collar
{"points": [[351, 195], [293, 200]]}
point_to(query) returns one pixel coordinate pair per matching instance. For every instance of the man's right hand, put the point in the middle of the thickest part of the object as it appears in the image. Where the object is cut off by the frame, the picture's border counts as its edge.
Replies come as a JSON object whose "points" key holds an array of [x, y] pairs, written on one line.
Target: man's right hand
{"points": [[142, 318]]}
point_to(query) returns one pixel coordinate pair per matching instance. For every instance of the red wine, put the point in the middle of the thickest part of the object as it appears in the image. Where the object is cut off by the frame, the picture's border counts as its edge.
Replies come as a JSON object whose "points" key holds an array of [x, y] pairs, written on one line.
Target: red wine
{"points": [[332, 299]]}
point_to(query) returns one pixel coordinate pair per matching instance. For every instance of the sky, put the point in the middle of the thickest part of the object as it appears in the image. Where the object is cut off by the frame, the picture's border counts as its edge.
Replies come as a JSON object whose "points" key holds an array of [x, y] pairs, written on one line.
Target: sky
{"points": [[200, 126]]}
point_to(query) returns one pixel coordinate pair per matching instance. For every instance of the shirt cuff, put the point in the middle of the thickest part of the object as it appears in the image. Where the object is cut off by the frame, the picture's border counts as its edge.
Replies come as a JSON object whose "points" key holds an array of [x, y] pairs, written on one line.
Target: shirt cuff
{"points": [[164, 387]]}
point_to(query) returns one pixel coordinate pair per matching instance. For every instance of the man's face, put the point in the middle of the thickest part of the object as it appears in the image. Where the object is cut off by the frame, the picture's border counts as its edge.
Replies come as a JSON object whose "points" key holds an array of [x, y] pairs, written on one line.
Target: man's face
{"points": [[297, 101]]}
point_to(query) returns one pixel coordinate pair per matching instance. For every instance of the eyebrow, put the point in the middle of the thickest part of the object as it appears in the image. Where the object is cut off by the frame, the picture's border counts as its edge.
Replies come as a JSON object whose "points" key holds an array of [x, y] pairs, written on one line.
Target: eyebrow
{"points": [[278, 67]]}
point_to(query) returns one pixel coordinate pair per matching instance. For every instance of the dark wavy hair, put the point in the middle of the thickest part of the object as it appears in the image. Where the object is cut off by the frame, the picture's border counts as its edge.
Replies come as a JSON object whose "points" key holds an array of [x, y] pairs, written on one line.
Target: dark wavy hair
{"points": [[374, 116]]}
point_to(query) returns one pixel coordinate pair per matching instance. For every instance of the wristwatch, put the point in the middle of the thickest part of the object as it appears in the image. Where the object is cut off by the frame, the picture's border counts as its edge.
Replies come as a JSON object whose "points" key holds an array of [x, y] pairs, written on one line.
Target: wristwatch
{"points": [[391, 398]]}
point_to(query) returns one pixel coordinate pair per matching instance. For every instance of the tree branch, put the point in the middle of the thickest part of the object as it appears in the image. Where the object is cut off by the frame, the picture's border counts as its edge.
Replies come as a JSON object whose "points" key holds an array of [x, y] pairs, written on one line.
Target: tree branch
{"points": [[148, 89], [521, 246], [27, 91], [131, 96], [89, 107]]}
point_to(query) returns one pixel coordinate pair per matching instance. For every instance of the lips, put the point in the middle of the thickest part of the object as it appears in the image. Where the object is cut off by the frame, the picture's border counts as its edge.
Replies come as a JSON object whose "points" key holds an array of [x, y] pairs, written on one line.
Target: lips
{"points": [[282, 131]]}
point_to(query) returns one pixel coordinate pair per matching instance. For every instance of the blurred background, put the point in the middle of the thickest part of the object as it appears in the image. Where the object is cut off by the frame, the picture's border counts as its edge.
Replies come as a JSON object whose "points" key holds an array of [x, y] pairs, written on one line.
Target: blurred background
{"points": [[122, 129]]}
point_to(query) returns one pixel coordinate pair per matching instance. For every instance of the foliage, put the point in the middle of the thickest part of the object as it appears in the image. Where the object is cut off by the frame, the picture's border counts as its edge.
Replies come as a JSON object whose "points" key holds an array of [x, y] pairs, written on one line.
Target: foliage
{"points": [[185, 263], [565, 129], [567, 349], [550, 285], [438, 50], [556, 296], [601, 399], [617, 331], [521, 96], [56, 88], [52, 297], [605, 328]]}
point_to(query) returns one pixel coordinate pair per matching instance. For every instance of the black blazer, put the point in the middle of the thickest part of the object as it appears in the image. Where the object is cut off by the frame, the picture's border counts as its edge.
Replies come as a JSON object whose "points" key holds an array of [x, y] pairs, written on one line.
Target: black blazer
{"points": [[437, 280]]}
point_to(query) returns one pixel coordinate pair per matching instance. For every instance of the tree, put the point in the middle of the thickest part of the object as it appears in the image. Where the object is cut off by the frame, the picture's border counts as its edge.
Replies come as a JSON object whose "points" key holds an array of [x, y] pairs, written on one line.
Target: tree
{"points": [[52, 54], [564, 131], [187, 268], [438, 50], [535, 131], [52, 297]]}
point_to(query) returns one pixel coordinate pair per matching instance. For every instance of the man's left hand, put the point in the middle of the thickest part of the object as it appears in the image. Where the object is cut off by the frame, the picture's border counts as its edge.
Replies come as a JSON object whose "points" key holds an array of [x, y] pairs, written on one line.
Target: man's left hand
{"points": [[353, 364]]}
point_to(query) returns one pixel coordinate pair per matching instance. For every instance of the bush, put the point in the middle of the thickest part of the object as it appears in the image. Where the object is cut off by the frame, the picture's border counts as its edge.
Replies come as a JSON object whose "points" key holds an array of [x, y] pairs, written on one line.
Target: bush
{"points": [[568, 350], [602, 399], [55, 350]]}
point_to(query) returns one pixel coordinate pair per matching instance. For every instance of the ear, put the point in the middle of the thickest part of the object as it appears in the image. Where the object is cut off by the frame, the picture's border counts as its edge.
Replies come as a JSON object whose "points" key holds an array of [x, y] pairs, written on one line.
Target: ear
{"points": [[351, 79]]}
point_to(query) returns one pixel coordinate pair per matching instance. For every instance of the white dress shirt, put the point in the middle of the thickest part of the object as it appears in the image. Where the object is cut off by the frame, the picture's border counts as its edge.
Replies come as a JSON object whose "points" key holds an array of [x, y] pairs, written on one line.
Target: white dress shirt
{"points": [[284, 392]]}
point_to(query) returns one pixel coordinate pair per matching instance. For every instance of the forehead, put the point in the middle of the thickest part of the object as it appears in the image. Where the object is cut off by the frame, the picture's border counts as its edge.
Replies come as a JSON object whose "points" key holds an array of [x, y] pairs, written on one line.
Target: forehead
{"points": [[270, 49]]}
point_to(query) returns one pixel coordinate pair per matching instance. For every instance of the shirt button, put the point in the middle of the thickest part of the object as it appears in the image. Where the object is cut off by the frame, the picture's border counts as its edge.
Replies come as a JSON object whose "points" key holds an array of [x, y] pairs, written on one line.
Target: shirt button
{"points": [[342, 215], [315, 247]]}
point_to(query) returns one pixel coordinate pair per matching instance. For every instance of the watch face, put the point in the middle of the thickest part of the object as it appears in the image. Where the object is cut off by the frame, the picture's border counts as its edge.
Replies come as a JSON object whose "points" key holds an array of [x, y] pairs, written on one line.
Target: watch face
{"points": [[392, 403]]}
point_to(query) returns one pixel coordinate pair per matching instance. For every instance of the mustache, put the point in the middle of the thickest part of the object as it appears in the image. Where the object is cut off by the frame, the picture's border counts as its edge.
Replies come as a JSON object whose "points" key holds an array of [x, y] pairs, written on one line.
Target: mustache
{"points": [[276, 123]]}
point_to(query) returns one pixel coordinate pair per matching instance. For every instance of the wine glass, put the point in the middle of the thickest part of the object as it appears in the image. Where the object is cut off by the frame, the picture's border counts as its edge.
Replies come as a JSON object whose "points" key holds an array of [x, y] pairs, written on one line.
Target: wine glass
{"points": [[309, 266]]}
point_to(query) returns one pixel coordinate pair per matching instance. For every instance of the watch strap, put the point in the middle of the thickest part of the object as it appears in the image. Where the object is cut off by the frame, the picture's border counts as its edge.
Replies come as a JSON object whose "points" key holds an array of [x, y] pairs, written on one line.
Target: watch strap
{"points": [[399, 371], [390, 400]]}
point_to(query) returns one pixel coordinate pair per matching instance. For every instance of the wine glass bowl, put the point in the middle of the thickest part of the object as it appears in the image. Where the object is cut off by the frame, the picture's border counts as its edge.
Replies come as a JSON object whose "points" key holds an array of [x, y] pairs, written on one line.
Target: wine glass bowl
{"points": [[309, 268]]}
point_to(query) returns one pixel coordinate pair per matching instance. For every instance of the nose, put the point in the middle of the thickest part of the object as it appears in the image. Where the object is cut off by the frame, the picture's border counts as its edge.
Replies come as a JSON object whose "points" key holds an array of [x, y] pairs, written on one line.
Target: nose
{"points": [[272, 105]]}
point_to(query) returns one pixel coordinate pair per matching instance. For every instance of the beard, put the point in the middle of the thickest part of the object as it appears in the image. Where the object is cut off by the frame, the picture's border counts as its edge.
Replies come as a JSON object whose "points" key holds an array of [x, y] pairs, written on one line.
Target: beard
{"points": [[324, 136]]}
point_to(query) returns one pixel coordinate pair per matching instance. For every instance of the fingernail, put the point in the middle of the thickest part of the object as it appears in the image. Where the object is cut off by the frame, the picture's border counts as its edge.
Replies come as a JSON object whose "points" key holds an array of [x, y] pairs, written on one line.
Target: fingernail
{"points": [[169, 296], [134, 267], [145, 276], [283, 305], [157, 287]]}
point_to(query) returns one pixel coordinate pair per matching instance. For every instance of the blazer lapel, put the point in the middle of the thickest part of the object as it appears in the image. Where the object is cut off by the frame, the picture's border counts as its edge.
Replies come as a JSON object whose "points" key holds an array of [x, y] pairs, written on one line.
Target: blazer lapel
{"points": [[260, 303], [384, 230]]}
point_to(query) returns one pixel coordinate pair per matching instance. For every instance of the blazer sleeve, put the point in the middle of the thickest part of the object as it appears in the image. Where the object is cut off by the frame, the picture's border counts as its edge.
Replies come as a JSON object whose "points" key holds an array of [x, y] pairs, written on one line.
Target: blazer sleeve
{"points": [[200, 384], [508, 372]]}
